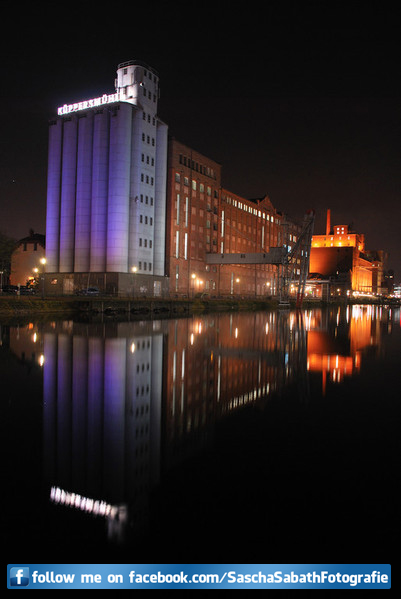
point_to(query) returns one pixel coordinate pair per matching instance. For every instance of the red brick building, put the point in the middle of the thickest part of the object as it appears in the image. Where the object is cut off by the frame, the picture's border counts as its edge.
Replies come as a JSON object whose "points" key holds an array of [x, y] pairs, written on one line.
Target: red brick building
{"points": [[204, 218], [193, 188]]}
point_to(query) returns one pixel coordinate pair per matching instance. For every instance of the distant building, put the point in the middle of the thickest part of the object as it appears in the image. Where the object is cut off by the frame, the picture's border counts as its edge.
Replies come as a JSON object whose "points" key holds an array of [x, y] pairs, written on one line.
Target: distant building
{"points": [[340, 258], [26, 259]]}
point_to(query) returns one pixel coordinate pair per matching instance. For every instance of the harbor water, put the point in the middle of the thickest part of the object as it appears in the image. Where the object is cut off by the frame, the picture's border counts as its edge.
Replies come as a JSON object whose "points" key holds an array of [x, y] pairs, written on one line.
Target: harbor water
{"points": [[265, 437]]}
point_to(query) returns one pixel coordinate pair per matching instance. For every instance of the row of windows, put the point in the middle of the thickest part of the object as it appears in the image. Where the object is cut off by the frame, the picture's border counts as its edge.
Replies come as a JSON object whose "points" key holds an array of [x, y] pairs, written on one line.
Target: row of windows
{"points": [[235, 203], [137, 345], [148, 159], [195, 166], [146, 266], [146, 220], [146, 73], [142, 390], [148, 139], [145, 243], [149, 118], [147, 179], [149, 74], [194, 185], [146, 199], [148, 94], [35, 247], [251, 210]]}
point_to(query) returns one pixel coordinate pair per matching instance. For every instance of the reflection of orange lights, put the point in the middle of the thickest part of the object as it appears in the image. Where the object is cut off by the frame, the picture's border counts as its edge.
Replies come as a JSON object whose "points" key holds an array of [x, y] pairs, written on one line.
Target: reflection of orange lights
{"points": [[198, 328], [340, 365], [333, 367], [324, 350]]}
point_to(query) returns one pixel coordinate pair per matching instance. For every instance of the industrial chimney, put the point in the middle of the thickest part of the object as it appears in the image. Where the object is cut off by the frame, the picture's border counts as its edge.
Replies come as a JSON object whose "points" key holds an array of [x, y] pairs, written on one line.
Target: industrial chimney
{"points": [[328, 224]]}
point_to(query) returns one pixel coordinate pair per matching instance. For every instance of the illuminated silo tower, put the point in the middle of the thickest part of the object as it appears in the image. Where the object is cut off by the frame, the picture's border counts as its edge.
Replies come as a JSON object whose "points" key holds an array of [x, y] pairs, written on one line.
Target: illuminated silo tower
{"points": [[107, 175]]}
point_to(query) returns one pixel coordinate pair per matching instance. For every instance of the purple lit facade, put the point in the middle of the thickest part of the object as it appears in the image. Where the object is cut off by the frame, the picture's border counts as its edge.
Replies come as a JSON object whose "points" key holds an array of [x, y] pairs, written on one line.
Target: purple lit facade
{"points": [[106, 203]]}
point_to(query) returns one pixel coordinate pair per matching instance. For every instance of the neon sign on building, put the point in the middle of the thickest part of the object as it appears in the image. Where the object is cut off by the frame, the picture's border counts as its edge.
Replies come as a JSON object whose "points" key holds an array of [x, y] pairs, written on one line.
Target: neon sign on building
{"points": [[92, 103]]}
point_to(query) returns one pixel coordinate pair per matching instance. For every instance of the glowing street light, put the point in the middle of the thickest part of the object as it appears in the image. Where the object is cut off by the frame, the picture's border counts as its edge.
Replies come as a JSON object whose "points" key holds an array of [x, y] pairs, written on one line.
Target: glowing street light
{"points": [[43, 263]]}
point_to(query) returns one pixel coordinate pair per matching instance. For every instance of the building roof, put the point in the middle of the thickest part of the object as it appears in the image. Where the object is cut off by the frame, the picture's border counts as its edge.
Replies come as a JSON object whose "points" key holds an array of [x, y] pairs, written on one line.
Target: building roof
{"points": [[33, 238]]}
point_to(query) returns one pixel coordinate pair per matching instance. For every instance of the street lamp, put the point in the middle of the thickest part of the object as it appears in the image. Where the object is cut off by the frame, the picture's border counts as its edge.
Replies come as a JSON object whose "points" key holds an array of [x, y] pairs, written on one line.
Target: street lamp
{"points": [[134, 271], [43, 262]]}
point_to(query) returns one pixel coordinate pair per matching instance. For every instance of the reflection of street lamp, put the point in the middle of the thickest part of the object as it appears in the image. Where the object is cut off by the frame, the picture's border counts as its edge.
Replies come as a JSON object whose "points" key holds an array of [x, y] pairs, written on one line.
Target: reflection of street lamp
{"points": [[43, 262]]}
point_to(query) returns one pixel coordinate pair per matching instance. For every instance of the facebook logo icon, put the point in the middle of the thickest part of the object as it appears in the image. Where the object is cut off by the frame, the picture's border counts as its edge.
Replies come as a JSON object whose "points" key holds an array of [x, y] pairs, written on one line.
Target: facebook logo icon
{"points": [[19, 577]]}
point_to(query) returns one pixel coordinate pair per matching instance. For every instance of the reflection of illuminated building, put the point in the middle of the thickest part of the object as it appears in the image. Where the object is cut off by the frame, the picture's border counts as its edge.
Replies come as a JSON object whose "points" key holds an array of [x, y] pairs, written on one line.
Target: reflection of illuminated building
{"points": [[26, 342], [102, 395], [337, 353], [220, 363], [109, 437]]}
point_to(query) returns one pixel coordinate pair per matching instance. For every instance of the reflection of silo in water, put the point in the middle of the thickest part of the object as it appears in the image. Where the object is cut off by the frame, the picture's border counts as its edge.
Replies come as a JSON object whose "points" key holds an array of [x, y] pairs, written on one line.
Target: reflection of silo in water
{"points": [[102, 408]]}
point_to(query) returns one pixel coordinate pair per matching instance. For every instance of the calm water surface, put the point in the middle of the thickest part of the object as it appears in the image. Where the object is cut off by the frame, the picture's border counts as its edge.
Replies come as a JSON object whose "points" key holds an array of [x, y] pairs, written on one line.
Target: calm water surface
{"points": [[231, 438]]}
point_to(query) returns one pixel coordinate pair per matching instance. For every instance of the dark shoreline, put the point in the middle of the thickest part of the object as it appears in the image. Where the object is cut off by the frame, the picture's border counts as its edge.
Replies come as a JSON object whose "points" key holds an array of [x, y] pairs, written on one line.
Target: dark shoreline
{"points": [[148, 307]]}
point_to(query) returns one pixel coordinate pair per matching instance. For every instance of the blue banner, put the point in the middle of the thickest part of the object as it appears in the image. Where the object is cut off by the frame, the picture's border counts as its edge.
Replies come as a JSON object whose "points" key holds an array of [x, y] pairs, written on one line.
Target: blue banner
{"points": [[199, 576]]}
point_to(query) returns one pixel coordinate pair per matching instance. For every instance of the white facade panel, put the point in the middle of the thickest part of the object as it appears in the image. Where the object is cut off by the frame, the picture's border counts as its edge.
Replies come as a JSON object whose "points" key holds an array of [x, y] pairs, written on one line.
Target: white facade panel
{"points": [[53, 196], [67, 211], [100, 185], [83, 194], [119, 188]]}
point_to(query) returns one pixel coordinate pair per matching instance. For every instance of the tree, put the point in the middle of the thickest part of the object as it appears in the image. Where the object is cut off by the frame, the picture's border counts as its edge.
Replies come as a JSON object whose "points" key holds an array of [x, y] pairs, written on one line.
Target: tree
{"points": [[7, 246]]}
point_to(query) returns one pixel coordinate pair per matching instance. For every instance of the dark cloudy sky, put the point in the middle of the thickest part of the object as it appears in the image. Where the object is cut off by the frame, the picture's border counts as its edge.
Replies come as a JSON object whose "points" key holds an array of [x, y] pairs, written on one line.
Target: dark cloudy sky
{"points": [[300, 100]]}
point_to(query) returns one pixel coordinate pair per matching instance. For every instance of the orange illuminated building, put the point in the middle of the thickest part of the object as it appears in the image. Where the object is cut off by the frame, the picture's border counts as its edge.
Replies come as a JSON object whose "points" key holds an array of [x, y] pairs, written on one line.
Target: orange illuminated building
{"points": [[339, 255]]}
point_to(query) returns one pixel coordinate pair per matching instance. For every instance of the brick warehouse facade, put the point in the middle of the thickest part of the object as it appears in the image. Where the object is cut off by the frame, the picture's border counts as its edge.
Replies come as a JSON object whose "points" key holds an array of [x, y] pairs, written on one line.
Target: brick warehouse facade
{"points": [[193, 190], [203, 218]]}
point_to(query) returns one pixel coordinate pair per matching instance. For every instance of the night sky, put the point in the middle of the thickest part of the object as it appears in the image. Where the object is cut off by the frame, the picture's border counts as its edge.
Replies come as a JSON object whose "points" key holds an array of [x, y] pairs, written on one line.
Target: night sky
{"points": [[300, 100]]}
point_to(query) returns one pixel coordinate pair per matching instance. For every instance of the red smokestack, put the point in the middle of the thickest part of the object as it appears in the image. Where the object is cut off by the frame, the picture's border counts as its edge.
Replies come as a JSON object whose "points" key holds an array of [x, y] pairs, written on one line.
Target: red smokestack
{"points": [[328, 224]]}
